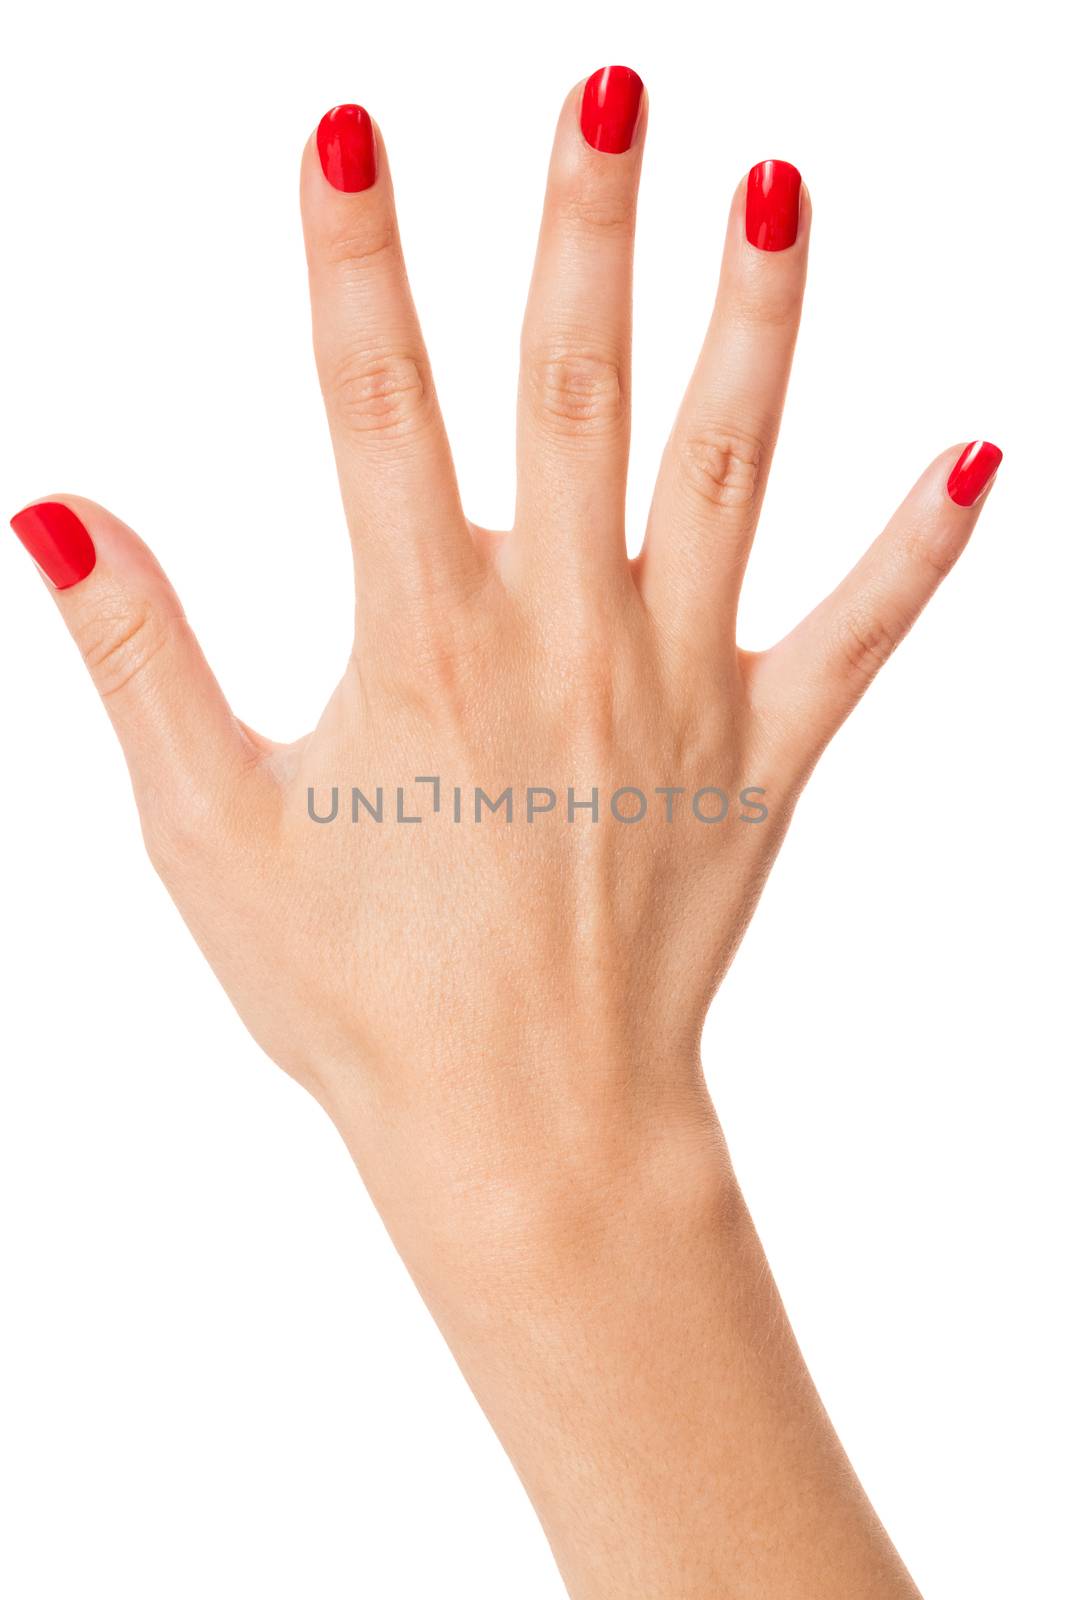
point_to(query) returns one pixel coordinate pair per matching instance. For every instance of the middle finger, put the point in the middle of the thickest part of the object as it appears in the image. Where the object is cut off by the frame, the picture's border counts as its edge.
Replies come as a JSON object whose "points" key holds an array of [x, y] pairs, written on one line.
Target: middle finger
{"points": [[574, 391]]}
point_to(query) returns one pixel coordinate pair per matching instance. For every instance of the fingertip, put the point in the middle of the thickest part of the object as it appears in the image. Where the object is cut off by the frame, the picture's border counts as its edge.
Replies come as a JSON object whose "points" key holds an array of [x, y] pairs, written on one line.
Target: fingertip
{"points": [[940, 514], [343, 157], [973, 473], [60, 531], [957, 479], [346, 143], [773, 205], [57, 538], [612, 109]]}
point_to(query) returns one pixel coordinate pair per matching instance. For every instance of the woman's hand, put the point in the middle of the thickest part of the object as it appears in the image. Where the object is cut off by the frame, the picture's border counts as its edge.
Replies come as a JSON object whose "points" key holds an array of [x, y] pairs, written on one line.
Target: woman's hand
{"points": [[501, 1007]]}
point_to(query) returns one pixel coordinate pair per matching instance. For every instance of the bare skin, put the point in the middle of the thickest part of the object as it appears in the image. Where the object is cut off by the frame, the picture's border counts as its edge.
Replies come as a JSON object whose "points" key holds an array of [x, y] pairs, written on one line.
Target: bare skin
{"points": [[503, 1019]]}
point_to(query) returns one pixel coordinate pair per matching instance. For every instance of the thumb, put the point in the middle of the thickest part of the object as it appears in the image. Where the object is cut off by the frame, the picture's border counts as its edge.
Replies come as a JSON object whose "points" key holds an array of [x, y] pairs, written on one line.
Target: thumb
{"points": [[182, 743]]}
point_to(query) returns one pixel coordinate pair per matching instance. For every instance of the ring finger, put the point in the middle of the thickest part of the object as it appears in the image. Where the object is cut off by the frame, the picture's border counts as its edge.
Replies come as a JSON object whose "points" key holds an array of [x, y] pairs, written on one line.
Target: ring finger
{"points": [[714, 471]]}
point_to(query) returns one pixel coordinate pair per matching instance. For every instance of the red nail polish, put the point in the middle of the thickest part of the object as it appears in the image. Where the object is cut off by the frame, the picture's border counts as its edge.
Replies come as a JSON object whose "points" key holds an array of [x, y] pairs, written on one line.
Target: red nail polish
{"points": [[347, 150], [772, 209], [974, 472], [610, 106], [57, 541]]}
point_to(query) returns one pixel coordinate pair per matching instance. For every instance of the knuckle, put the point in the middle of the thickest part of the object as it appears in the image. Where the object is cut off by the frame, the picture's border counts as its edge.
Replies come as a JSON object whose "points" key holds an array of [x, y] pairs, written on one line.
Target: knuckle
{"points": [[932, 555], [350, 252], [770, 299], [867, 641], [441, 671], [170, 835], [722, 468], [584, 207], [179, 838], [588, 707], [118, 648], [192, 820], [586, 686], [578, 391], [380, 394]]}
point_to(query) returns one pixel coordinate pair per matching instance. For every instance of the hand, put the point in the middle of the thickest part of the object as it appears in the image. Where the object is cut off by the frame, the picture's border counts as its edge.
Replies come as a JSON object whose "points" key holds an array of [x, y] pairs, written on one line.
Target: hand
{"points": [[502, 1013]]}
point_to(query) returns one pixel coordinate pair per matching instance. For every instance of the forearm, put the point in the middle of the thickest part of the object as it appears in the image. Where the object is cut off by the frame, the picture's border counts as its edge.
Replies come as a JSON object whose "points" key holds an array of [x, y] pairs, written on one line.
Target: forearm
{"points": [[616, 1318]]}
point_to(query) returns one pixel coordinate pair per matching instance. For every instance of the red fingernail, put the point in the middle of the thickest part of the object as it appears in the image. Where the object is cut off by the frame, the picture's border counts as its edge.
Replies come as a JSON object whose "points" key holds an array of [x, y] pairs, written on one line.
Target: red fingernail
{"points": [[57, 541], [974, 472], [347, 150], [772, 210], [610, 105]]}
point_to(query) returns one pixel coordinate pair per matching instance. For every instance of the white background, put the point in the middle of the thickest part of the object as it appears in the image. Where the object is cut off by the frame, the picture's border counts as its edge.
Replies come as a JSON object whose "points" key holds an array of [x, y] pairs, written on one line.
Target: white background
{"points": [[215, 1378]]}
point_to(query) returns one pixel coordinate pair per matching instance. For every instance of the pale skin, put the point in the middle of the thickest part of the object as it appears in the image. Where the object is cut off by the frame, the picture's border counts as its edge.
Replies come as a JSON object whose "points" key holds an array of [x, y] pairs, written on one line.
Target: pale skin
{"points": [[504, 1020]]}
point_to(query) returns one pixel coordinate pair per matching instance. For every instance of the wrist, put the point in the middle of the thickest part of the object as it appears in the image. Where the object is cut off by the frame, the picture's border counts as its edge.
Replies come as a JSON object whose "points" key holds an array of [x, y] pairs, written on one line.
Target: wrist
{"points": [[490, 1201]]}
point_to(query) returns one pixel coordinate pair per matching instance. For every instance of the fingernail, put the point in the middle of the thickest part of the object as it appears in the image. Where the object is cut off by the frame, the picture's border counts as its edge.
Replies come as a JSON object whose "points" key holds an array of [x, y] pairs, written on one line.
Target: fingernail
{"points": [[772, 209], [610, 107], [974, 472], [347, 150], [57, 541]]}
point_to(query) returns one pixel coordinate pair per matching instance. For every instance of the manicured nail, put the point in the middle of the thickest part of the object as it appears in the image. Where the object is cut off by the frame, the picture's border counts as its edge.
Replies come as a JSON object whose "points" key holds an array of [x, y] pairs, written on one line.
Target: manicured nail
{"points": [[772, 210], [610, 106], [347, 150], [974, 472], [57, 541]]}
